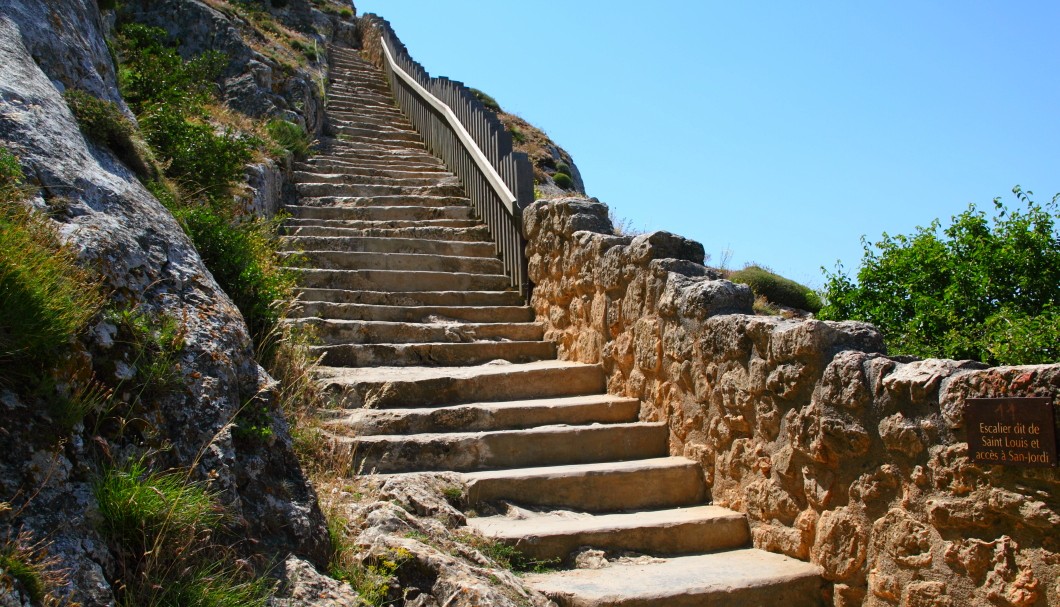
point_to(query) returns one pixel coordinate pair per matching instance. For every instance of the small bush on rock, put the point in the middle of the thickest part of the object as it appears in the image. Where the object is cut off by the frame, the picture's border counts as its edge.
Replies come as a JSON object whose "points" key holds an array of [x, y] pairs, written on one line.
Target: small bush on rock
{"points": [[777, 289], [563, 180], [103, 122]]}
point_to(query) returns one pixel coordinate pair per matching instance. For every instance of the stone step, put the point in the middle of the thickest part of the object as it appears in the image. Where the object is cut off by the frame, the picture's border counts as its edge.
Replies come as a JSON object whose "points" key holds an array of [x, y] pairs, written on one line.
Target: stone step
{"points": [[662, 482], [734, 578], [380, 213], [364, 107], [367, 190], [441, 354], [470, 234], [337, 331], [395, 313], [388, 137], [389, 245], [354, 138], [317, 163], [383, 201], [403, 387], [370, 126], [511, 415], [398, 280], [555, 535], [539, 446], [408, 160], [445, 299], [412, 262], [293, 226], [344, 177], [371, 163]]}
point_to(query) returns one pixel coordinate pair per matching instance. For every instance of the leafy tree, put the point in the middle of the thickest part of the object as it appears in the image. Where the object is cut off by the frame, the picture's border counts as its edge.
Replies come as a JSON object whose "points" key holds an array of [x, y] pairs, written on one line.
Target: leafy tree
{"points": [[982, 289]]}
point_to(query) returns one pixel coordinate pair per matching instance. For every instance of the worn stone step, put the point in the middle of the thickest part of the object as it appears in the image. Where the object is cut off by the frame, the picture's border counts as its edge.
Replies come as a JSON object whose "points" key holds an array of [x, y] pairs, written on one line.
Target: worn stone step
{"points": [[380, 213], [403, 387], [409, 200], [354, 138], [409, 160], [371, 164], [469, 234], [398, 280], [390, 137], [412, 262], [319, 163], [511, 415], [389, 245], [371, 126], [396, 313], [432, 354], [662, 482], [555, 535], [539, 446], [362, 189], [293, 226], [449, 299], [337, 331], [345, 177], [734, 578]]}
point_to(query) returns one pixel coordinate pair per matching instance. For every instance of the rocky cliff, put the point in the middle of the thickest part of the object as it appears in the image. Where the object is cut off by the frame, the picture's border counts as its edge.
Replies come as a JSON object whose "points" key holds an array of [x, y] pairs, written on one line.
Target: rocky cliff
{"points": [[49, 475]]}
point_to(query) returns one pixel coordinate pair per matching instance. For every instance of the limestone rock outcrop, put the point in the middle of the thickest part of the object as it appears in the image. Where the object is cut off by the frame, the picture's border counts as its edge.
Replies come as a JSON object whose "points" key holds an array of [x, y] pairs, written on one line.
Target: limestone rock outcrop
{"points": [[837, 453], [144, 259]]}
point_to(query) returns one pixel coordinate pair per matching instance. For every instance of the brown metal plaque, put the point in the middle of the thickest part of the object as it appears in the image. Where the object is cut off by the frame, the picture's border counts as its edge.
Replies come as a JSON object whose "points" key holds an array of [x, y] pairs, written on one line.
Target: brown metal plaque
{"points": [[1011, 431]]}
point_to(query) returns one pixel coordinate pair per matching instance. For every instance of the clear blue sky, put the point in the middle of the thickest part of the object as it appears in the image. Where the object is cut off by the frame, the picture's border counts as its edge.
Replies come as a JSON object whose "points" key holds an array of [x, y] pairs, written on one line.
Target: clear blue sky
{"points": [[782, 131]]}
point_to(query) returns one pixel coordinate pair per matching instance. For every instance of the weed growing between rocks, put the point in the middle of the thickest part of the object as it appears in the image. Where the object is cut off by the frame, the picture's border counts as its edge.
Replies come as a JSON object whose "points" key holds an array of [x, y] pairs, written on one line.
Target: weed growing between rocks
{"points": [[162, 528], [27, 569], [289, 136]]}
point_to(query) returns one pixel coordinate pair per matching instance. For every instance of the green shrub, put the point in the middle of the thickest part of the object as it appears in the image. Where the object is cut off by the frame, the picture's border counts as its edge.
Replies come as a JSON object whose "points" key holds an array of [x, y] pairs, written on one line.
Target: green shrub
{"points": [[563, 167], [200, 160], [103, 122], [486, 100], [346, 13], [46, 299], [152, 72], [777, 289], [290, 137], [242, 258], [982, 289], [563, 180]]}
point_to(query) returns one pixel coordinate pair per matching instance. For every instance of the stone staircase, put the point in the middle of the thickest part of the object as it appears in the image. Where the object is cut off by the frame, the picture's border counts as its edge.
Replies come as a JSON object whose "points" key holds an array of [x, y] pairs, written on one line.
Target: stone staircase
{"points": [[438, 366]]}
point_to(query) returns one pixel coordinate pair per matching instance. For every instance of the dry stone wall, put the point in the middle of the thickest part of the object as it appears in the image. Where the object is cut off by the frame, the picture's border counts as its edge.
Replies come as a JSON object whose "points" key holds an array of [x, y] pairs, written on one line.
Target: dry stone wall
{"points": [[837, 453]]}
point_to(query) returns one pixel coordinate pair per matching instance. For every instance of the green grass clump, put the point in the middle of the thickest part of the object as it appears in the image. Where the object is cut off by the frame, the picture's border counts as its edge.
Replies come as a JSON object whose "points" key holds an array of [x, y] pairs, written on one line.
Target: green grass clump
{"points": [[46, 299], [290, 137], [777, 289], [162, 528], [11, 177], [143, 510], [103, 122], [563, 180]]}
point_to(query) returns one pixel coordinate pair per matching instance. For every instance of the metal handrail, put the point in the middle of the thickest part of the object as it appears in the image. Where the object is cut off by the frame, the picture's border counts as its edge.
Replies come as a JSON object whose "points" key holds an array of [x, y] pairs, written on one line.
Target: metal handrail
{"points": [[470, 140]]}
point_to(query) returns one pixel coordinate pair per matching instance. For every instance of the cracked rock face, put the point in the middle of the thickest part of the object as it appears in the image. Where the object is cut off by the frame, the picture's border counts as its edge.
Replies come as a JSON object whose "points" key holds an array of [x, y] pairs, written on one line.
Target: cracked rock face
{"points": [[118, 229], [837, 453]]}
